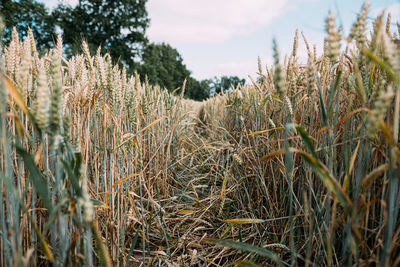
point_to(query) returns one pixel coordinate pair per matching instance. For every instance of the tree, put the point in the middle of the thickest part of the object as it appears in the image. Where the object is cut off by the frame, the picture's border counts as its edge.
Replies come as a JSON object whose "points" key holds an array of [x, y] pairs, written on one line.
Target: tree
{"points": [[163, 65], [117, 26], [197, 90], [225, 83], [28, 13]]}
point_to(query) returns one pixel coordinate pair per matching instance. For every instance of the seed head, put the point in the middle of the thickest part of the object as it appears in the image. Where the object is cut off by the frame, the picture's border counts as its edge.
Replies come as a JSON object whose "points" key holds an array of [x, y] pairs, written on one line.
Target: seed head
{"points": [[311, 78], [289, 105], [42, 103], [358, 30], [279, 81], [237, 158], [389, 17], [390, 52], [84, 200], [379, 110], [22, 75], [259, 64], [333, 39], [56, 99], [295, 44]]}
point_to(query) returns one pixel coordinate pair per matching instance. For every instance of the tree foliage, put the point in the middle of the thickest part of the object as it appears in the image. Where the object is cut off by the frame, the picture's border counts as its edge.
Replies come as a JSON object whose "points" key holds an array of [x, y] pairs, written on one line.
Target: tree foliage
{"points": [[28, 13], [197, 90], [117, 26], [223, 84], [163, 65]]}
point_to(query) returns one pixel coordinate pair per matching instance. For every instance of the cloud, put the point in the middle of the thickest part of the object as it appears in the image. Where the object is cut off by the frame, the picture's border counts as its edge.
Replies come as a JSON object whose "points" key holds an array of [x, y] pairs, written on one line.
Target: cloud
{"points": [[209, 21], [394, 10], [244, 68]]}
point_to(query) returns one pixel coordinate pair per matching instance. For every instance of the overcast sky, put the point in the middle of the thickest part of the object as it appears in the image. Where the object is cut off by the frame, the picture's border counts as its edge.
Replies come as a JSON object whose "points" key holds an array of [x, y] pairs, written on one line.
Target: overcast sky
{"points": [[225, 37]]}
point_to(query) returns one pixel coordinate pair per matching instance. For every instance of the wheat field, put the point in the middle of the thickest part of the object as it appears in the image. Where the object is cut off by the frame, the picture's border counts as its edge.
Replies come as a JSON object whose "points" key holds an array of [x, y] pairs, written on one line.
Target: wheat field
{"points": [[299, 168]]}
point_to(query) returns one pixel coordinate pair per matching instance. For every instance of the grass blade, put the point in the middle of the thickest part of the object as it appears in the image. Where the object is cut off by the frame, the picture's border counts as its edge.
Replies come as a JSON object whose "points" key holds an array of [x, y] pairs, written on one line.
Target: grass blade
{"points": [[249, 248]]}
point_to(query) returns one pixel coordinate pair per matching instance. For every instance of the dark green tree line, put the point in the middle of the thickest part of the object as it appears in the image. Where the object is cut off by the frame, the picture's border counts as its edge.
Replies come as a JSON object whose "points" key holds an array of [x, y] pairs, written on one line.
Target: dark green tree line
{"points": [[119, 28], [225, 83], [28, 13], [163, 65]]}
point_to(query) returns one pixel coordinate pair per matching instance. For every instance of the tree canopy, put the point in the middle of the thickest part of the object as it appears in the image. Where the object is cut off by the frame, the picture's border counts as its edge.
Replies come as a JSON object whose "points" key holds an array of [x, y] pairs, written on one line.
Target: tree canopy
{"points": [[197, 90], [28, 13], [163, 65], [223, 84], [117, 26]]}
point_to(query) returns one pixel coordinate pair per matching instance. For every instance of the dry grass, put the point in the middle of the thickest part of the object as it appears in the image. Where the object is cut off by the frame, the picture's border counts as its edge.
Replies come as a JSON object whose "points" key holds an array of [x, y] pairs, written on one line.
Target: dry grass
{"points": [[301, 167]]}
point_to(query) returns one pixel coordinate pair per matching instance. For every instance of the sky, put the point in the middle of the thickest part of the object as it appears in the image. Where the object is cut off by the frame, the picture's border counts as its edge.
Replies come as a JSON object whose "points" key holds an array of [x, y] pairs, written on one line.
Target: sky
{"points": [[225, 37]]}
